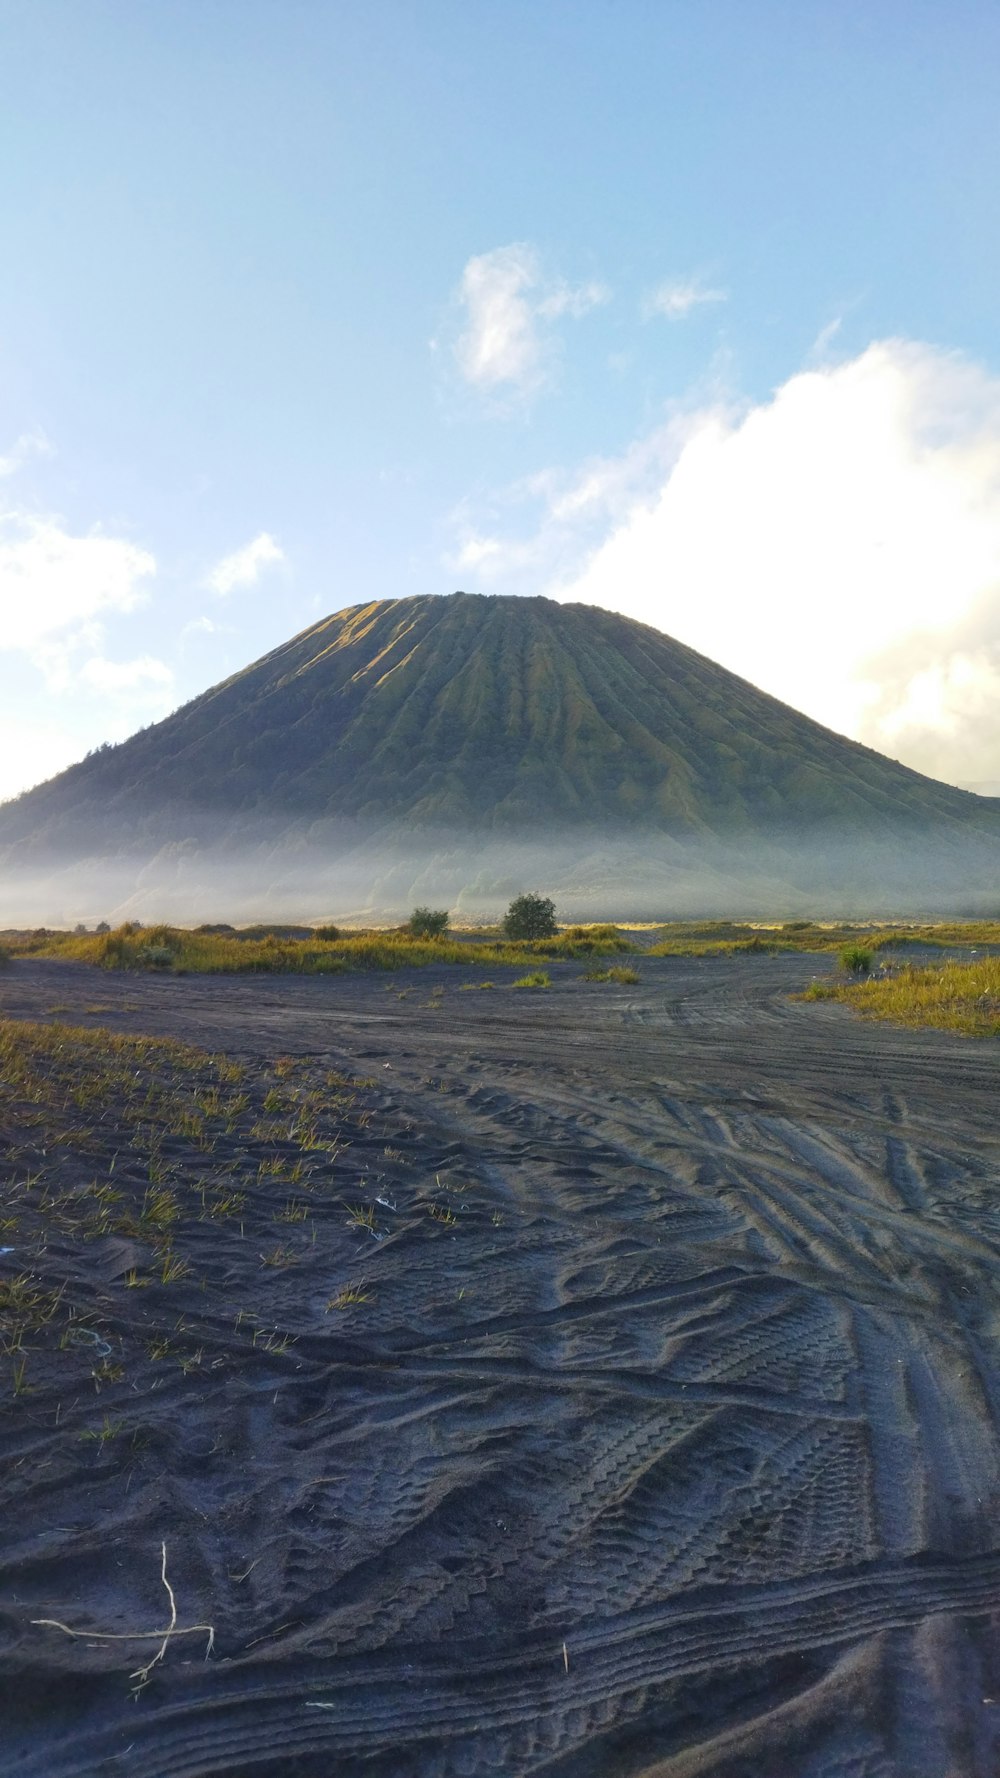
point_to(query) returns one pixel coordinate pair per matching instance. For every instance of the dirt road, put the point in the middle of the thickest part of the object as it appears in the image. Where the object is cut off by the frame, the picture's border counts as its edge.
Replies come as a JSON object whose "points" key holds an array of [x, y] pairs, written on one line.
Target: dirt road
{"points": [[668, 1448]]}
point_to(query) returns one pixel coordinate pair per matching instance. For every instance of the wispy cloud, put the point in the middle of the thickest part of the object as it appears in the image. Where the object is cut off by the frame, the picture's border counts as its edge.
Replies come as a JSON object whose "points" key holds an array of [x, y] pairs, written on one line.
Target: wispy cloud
{"points": [[677, 298], [245, 566], [825, 339], [574, 300], [199, 626], [545, 526], [30, 444], [505, 300]]}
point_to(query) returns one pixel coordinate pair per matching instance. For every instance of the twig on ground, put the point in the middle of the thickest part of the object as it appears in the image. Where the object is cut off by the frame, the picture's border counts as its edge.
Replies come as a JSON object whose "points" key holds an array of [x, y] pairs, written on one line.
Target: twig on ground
{"points": [[141, 1675]]}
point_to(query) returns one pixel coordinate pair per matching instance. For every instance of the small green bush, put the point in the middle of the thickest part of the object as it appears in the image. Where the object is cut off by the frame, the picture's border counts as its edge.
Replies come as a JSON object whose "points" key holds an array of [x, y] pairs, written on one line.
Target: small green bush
{"points": [[856, 959], [428, 923], [328, 934], [155, 956], [539, 978], [617, 973], [530, 916]]}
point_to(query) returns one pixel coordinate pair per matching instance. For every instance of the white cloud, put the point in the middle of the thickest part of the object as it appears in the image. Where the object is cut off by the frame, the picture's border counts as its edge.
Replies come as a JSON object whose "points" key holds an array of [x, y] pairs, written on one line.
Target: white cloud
{"points": [[825, 338], [476, 551], [677, 297], [30, 444], [572, 512], [116, 677], [51, 581], [245, 566], [506, 298], [32, 750], [837, 545], [199, 626]]}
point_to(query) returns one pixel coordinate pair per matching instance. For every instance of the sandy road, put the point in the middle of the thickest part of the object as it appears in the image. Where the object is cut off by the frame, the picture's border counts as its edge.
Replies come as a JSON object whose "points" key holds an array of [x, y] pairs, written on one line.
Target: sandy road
{"points": [[677, 1454]]}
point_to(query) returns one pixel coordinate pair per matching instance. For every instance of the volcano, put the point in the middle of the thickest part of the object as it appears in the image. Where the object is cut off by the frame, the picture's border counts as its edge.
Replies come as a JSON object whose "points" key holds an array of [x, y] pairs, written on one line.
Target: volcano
{"points": [[452, 745]]}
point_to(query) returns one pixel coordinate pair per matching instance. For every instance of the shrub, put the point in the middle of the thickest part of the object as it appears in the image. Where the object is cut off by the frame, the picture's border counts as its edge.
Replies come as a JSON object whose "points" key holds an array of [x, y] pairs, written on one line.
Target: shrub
{"points": [[539, 978], [856, 959], [129, 947], [428, 923], [4, 955], [530, 916], [102, 927], [615, 974], [581, 940], [328, 934], [155, 956]]}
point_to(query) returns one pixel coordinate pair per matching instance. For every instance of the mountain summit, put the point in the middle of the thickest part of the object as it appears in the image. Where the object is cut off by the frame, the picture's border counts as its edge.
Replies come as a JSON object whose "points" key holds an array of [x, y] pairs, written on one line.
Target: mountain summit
{"points": [[422, 725]]}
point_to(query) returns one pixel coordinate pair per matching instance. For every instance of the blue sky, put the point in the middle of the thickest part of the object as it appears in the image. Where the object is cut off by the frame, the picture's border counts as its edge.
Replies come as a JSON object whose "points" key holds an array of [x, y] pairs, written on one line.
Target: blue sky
{"points": [[686, 309]]}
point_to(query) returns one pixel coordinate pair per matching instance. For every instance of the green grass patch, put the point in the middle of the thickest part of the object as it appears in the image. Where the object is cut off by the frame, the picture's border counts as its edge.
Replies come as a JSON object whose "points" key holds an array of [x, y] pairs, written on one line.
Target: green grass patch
{"points": [[539, 978]]}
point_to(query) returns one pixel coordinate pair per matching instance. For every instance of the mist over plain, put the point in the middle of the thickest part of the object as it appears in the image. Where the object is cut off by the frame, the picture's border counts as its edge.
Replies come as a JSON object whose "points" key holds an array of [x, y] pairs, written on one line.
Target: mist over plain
{"points": [[354, 878]]}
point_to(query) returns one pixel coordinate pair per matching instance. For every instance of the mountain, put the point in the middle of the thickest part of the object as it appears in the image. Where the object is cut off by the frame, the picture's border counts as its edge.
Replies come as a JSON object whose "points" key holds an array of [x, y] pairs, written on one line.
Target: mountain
{"points": [[501, 729]]}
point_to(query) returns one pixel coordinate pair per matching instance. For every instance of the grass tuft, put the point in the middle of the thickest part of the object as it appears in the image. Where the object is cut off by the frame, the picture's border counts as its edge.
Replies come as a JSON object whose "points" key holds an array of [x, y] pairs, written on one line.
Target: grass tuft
{"points": [[857, 959]]}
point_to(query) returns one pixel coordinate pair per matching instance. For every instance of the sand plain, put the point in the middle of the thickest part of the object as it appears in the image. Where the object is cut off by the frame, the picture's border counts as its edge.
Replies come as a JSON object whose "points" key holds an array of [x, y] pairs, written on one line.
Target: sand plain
{"points": [[664, 1443]]}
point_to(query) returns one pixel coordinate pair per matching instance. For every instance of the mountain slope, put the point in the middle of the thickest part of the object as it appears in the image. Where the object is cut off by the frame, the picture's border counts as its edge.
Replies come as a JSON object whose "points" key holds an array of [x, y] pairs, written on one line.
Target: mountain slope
{"points": [[476, 713]]}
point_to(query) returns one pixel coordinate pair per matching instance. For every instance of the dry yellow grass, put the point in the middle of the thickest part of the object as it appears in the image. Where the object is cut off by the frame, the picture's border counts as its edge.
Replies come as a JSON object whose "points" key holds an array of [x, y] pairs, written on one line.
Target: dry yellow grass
{"points": [[963, 997], [174, 949]]}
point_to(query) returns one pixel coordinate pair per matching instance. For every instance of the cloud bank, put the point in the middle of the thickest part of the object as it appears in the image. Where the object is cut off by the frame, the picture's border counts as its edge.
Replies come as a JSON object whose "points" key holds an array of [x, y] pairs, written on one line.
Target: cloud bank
{"points": [[837, 544]]}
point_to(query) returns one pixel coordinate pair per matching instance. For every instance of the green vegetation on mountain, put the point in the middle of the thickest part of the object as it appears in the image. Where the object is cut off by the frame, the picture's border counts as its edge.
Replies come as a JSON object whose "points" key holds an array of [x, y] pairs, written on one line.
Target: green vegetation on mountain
{"points": [[479, 714]]}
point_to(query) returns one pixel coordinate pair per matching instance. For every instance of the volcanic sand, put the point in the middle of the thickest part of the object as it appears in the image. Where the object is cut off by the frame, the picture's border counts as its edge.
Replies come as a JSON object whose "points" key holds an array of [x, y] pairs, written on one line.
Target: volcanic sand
{"points": [[665, 1441]]}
